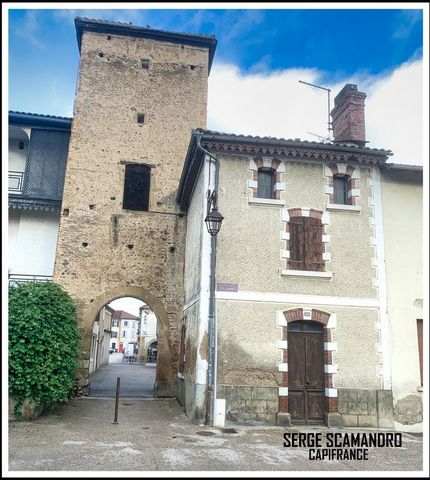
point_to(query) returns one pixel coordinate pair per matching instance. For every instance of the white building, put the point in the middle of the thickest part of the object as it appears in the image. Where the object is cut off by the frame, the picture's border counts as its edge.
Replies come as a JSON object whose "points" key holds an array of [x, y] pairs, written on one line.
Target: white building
{"points": [[148, 335], [128, 331], [38, 146]]}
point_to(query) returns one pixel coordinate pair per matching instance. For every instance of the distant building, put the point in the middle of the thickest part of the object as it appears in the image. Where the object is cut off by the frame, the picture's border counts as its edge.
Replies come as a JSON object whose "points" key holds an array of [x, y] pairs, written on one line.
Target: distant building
{"points": [[128, 329], [100, 341], [38, 146], [148, 335]]}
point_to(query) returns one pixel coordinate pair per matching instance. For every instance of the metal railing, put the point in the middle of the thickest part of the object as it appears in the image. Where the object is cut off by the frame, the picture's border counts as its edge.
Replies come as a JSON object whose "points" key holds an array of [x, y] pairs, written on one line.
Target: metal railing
{"points": [[17, 278], [16, 181]]}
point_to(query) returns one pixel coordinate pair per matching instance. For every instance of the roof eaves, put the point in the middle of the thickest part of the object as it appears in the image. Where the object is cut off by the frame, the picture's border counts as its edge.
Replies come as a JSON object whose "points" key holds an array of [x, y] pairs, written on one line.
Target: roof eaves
{"points": [[103, 26]]}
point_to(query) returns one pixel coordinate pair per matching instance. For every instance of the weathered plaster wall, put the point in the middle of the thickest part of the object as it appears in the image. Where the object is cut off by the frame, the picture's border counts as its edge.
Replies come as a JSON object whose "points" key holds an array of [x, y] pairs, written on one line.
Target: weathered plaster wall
{"points": [[251, 234], [129, 251], [248, 352], [402, 207]]}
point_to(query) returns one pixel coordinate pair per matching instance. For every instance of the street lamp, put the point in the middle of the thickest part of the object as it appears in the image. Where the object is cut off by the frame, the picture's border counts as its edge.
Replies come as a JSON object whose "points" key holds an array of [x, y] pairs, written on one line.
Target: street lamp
{"points": [[213, 218], [213, 221]]}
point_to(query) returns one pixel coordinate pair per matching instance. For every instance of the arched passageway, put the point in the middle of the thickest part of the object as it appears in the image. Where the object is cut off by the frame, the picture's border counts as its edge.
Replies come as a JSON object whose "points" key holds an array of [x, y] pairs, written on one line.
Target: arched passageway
{"points": [[164, 383]]}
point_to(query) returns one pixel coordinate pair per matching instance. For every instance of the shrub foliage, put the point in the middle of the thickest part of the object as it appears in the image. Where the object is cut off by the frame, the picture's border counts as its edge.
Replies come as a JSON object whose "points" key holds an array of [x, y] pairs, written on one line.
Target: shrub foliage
{"points": [[43, 343]]}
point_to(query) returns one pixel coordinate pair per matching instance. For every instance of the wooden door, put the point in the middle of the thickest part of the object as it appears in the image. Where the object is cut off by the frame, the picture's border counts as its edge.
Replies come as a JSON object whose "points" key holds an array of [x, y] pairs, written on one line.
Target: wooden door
{"points": [[306, 398]]}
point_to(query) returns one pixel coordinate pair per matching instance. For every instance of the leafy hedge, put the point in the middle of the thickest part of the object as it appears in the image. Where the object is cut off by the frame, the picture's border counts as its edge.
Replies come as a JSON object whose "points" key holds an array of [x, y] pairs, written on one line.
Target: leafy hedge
{"points": [[43, 343]]}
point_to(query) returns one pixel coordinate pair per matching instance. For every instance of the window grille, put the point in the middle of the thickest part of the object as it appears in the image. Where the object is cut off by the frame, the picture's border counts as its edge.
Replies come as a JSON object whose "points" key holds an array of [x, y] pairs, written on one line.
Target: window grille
{"points": [[136, 187]]}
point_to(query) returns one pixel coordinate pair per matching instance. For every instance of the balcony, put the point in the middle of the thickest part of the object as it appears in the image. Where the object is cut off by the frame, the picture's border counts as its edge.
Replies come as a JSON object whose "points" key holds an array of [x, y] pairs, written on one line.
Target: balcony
{"points": [[17, 278], [16, 181]]}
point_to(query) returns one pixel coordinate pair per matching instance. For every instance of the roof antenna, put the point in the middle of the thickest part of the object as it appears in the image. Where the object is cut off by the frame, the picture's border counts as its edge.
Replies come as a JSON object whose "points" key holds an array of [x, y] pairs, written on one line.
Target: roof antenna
{"points": [[329, 125]]}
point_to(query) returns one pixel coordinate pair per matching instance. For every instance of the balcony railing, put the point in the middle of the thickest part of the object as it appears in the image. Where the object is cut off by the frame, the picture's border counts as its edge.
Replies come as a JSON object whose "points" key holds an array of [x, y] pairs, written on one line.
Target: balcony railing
{"points": [[16, 181], [17, 278]]}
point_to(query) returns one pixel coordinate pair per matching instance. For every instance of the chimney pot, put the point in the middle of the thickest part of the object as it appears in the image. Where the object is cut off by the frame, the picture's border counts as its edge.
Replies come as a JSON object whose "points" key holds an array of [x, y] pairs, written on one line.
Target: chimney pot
{"points": [[348, 116]]}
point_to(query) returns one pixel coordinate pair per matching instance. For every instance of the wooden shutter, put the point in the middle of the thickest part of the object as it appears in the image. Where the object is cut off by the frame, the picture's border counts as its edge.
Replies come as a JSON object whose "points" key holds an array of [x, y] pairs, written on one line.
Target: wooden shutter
{"points": [[313, 230], [297, 243]]}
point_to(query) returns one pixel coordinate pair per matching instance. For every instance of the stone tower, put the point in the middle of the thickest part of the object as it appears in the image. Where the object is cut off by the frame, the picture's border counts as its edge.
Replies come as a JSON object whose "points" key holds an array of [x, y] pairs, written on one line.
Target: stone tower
{"points": [[139, 93]]}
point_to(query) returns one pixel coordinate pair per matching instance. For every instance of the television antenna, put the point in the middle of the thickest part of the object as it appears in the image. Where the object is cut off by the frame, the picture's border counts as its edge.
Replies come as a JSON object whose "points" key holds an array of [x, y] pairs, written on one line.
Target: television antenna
{"points": [[320, 137], [319, 88]]}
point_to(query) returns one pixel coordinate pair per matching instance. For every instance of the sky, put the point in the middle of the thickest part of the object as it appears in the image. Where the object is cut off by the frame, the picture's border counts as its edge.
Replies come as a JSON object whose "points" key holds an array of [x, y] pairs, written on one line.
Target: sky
{"points": [[260, 57], [128, 304]]}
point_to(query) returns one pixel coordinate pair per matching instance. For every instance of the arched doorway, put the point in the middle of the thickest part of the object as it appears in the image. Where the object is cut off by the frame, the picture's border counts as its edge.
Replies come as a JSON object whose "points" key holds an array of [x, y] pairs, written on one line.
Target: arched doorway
{"points": [[118, 331], [152, 352], [165, 372]]}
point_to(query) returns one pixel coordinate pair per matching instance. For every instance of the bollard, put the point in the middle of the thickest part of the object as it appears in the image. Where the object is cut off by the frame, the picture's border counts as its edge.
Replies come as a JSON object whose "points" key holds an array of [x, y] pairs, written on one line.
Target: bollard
{"points": [[115, 419]]}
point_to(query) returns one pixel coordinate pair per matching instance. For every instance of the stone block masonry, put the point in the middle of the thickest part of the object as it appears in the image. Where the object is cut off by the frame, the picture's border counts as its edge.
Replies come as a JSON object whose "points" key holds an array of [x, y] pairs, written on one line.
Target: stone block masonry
{"points": [[127, 111]]}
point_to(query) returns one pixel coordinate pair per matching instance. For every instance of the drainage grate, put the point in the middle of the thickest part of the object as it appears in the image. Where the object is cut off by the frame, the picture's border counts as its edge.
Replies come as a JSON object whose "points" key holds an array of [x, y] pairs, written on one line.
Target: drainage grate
{"points": [[205, 433], [228, 430]]}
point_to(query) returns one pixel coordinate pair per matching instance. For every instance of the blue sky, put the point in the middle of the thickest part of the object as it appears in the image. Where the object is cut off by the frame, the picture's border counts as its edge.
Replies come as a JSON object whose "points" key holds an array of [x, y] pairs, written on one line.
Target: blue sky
{"points": [[328, 46]]}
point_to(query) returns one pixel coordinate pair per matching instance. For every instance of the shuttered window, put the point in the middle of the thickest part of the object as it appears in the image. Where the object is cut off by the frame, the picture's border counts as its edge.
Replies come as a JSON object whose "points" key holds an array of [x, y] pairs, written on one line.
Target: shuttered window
{"points": [[306, 245], [266, 183], [340, 189], [136, 187]]}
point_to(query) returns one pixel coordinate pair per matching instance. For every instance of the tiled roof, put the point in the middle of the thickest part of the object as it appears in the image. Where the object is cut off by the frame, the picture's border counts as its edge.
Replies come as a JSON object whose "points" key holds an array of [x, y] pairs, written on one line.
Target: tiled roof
{"points": [[120, 28], [123, 315], [295, 141], [39, 115]]}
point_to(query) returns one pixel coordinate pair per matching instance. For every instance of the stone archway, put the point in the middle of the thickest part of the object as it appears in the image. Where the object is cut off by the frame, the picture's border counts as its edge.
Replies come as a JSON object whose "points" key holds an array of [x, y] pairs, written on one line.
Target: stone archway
{"points": [[165, 376]]}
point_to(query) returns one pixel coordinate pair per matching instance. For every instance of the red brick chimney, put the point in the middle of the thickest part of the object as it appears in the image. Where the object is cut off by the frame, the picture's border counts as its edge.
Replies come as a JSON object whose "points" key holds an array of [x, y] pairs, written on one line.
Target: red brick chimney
{"points": [[348, 116]]}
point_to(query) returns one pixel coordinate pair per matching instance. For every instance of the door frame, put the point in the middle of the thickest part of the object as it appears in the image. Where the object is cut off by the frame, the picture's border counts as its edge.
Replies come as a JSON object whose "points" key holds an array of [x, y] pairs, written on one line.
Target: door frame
{"points": [[329, 324], [300, 335]]}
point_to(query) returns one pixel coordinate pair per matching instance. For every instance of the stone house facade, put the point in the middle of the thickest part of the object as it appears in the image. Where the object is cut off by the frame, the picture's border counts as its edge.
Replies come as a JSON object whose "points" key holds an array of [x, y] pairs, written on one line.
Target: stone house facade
{"points": [[312, 320], [303, 334]]}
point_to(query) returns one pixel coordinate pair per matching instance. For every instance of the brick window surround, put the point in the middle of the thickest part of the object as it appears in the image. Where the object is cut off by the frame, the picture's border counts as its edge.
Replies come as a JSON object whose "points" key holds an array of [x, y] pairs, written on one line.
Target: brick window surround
{"points": [[351, 174], [286, 216], [267, 164], [329, 323]]}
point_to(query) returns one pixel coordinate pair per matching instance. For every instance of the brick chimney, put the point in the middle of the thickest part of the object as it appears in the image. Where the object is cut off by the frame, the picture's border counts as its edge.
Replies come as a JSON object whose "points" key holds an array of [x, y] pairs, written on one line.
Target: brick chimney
{"points": [[348, 116]]}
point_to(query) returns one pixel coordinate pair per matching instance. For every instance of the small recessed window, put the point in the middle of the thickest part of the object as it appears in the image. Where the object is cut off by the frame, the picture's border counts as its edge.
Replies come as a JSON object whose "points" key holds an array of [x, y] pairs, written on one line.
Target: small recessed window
{"points": [[136, 187], [340, 189], [266, 183], [141, 118], [21, 145], [145, 63]]}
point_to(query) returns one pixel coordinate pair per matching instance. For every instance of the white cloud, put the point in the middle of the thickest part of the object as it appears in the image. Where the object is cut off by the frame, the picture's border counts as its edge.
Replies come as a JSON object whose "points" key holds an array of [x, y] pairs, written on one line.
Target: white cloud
{"points": [[277, 105], [29, 28]]}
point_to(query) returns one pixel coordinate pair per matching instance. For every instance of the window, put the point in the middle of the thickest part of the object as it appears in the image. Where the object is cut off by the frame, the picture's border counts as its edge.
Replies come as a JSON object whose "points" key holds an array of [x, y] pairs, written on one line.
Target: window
{"points": [[306, 246], [125, 323], [266, 183], [420, 345], [136, 187], [124, 334], [115, 323], [114, 334], [340, 189]]}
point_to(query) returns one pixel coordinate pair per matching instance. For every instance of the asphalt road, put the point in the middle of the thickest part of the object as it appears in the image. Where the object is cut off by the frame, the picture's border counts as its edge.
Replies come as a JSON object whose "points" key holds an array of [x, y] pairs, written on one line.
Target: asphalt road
{"points": [[137, 379], [154, 435]]}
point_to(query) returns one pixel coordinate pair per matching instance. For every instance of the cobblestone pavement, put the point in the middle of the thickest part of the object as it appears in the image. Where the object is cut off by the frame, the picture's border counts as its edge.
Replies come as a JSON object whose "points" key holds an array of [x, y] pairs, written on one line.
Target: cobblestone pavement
{"points": [[154, 435]]}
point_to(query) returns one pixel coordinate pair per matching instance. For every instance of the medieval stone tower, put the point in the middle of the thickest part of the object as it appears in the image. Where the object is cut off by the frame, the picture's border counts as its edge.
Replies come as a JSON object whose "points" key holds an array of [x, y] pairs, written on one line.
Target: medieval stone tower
{"points": [[140, 92]]}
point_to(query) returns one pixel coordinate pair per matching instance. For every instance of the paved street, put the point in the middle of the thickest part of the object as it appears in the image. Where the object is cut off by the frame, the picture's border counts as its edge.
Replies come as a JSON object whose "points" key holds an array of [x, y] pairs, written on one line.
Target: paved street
{"points": [[155, 435], [137, 379]]}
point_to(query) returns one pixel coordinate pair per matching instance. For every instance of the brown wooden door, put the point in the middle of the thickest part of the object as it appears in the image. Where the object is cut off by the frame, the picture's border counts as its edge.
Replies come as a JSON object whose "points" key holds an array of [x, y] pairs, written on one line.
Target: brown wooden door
{"points": [[306, 372]]}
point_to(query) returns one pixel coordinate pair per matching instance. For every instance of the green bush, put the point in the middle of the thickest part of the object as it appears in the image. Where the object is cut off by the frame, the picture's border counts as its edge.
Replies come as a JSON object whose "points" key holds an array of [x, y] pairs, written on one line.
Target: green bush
{"points": [[43, 344]]}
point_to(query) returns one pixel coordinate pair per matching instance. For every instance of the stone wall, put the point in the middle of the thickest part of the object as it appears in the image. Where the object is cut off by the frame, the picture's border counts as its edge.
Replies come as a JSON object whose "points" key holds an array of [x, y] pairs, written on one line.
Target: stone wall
{"points": [[250, 405], [366, 408], [105, 252]]}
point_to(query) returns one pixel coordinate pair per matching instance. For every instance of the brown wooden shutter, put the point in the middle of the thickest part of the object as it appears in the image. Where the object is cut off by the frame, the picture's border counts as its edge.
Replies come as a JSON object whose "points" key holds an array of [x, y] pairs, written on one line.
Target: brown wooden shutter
{"points": [[297, 243], [313, 231]]}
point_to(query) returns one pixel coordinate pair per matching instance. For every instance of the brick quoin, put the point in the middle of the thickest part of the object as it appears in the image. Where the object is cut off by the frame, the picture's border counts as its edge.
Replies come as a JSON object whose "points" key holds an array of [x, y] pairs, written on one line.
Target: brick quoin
{"points": [[322, 317]]}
